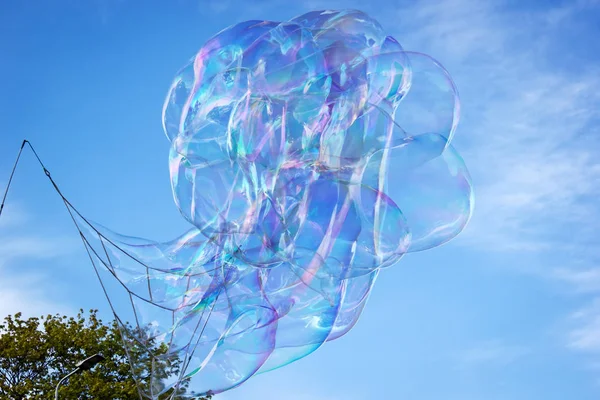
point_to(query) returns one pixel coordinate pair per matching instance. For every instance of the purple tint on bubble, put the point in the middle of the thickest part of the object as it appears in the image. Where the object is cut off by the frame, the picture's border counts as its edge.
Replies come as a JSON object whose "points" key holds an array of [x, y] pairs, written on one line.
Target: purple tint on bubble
{"points": [[307, 155]]}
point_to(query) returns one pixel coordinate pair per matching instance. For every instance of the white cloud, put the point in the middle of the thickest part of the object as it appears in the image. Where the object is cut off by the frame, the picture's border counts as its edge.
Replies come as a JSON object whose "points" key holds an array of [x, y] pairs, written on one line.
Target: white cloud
{"points": [[529, 135], [527, 126], [22, 289], [12, 215], [286, 390], [583, 327], [492, 353], [28, 294], [33, 247], [582, 280], [212, 7], [290, 394], [586, 336], [564, 12]]}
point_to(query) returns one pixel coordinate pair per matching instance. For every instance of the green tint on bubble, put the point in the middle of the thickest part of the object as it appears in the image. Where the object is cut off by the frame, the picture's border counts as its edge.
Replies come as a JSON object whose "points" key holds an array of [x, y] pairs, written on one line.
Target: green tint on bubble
{"points": [[307, 155]]}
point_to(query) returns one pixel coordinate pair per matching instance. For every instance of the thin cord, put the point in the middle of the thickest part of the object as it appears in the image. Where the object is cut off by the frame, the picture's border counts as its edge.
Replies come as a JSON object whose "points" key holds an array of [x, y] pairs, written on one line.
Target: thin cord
{"points": [[92, 252], [11, 176]]}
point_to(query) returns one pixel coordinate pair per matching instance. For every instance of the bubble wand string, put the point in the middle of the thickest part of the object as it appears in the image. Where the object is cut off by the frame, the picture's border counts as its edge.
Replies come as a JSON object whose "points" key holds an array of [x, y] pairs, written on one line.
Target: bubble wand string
{"points": [[91, 252]]}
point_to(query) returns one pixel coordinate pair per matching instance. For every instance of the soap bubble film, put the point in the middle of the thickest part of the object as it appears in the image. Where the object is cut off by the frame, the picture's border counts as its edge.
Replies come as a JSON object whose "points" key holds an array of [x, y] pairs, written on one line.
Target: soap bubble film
{"points": [[306, 155]]}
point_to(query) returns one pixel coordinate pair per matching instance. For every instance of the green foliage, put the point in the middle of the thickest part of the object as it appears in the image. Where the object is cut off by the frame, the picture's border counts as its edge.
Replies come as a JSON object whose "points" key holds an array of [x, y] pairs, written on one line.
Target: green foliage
{"points": [[36, 352]]}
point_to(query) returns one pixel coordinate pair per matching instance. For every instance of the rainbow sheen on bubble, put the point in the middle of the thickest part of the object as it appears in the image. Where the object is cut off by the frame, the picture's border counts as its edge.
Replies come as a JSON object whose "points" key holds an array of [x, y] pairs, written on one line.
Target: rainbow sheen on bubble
{"points": [[307, 155]]}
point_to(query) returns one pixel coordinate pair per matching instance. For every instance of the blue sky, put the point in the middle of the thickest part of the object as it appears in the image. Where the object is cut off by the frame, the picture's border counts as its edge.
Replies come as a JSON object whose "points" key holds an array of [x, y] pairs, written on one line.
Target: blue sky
{"points": [[510, 310]]}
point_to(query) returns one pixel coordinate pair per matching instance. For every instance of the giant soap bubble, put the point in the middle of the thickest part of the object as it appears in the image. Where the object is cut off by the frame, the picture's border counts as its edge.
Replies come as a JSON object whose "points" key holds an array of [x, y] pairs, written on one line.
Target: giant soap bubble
{"points": [[306, 155]]}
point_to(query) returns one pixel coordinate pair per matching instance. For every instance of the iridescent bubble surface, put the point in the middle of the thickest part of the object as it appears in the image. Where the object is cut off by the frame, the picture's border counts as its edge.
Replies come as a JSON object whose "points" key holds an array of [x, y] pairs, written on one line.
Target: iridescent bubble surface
{"points": [[307, 155]]}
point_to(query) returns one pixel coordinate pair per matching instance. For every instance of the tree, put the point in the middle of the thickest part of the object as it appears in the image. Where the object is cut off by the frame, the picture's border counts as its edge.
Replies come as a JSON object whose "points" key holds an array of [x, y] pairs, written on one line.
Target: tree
{"points": [[36, 352]]}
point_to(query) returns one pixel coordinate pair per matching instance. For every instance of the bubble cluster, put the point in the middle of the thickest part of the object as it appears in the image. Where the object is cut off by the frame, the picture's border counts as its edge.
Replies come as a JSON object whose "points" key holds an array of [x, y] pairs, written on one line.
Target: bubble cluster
{"points": [[307, 155]]}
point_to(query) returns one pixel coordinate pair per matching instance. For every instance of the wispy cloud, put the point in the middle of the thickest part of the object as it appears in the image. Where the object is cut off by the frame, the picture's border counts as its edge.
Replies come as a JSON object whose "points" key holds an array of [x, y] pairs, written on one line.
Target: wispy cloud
{"points": [[494, 353], [212, 7], [528, 126], [28, 294], [586, 335], [284, 389], [581, 280], [12, 216], [33, 247], [569, 10], [22, 289], [529, 134], [583, 325]]}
